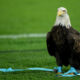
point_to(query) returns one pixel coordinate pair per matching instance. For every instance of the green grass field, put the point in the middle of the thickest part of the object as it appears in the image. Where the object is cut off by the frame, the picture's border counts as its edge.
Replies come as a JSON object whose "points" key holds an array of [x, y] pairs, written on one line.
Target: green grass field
{"points": [[31, 16]]}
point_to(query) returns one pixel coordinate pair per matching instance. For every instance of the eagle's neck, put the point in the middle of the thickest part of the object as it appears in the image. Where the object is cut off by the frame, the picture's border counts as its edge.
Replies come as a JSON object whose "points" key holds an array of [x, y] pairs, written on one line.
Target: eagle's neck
{"points": [[63, 21]]}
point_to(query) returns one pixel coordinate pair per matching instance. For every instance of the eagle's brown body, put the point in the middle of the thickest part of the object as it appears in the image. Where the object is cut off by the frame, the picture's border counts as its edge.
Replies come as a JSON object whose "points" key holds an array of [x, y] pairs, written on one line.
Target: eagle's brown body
{"points": [[64, 44]]}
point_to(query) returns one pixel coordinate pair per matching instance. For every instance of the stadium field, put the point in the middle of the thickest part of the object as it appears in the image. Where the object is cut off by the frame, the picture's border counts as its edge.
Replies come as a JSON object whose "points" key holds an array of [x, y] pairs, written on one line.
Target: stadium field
{"points": [[31, 16]]}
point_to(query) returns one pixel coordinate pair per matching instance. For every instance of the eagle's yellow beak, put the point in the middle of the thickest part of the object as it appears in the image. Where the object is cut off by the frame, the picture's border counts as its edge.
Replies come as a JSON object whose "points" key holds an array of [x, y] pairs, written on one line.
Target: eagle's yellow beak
{"points": [[60, 13]]}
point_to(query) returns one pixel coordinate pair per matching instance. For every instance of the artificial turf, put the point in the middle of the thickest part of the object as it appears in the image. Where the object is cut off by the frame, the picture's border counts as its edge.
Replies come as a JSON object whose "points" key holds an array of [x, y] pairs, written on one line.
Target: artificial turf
{"points": [[31, 16]]}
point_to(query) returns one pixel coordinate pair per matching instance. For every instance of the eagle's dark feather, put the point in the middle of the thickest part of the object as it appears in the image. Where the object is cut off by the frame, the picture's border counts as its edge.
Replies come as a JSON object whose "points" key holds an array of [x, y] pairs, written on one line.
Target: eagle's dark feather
{"points": [[74, 43], [64, 44]]}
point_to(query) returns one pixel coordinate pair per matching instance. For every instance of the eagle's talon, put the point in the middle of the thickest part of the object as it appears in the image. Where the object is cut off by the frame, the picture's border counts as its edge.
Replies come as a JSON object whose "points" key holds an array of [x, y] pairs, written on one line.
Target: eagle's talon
{"points": [[58, 69], [72, 71], [58, 73]]}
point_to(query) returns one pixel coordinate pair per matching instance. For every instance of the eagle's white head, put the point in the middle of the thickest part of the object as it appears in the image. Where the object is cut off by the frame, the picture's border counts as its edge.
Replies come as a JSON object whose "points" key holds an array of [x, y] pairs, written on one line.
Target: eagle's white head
{"points": [[63, 18]]}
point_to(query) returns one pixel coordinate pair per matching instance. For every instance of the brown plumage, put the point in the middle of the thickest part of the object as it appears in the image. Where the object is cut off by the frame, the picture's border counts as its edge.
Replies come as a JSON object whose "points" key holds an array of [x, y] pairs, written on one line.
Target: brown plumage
{"points": [[64, 44]]}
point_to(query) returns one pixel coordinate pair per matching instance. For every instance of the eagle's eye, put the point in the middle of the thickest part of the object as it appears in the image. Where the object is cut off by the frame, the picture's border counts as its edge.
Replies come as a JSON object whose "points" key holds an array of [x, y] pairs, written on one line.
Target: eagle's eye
{"points": [[64, 10]]}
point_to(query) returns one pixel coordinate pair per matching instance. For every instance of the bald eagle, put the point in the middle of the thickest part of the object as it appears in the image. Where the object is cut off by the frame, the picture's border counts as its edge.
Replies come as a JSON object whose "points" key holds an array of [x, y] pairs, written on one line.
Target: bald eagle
{"points": [[63, 42]]}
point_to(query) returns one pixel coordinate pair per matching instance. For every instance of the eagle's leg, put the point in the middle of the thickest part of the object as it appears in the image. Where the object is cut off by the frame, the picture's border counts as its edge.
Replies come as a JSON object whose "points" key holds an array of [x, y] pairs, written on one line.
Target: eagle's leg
{"points": [[71, 71], [74, 66], [58, 69], [59, 63]]}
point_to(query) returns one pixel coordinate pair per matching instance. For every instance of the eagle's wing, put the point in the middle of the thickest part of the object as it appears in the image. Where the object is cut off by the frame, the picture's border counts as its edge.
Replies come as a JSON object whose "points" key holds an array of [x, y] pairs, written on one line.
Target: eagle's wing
{"points": [[74, 45], [50, 44], [74, 40]]}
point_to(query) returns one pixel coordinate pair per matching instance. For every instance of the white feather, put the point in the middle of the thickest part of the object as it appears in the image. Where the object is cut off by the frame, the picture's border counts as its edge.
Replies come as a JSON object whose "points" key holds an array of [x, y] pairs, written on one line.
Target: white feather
{"points": [[63, 20]]}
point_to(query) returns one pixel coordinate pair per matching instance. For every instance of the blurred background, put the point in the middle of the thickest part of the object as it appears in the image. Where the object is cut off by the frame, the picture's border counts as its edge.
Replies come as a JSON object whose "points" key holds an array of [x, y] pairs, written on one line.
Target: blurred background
{"points": [[34, 16], [30, 17]]}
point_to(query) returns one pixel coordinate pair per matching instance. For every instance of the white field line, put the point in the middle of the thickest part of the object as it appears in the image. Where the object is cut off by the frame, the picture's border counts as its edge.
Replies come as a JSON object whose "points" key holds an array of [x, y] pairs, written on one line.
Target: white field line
{"points": [[23, 36]]}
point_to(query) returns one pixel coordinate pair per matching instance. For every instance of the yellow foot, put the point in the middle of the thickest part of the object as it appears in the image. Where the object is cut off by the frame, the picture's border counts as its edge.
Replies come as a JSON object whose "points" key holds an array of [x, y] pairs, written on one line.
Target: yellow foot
{"points": [[58, 73], [71, 74]]}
